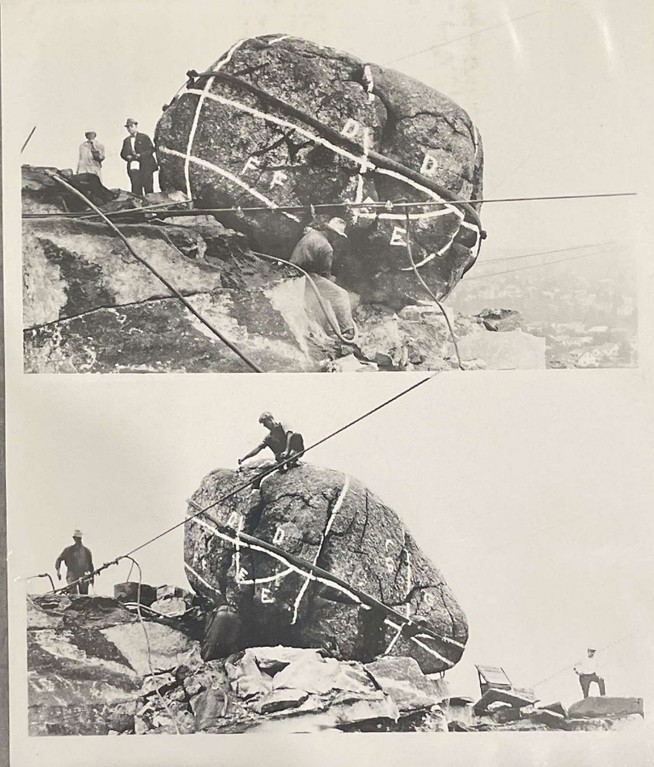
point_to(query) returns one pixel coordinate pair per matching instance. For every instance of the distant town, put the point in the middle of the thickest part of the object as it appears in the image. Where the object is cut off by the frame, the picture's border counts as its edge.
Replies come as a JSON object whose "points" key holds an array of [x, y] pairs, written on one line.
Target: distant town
{"points": [[586, 310]]}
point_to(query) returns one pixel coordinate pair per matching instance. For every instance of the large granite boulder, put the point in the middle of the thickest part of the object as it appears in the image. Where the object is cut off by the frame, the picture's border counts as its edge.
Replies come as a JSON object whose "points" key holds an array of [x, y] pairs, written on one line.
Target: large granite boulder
{"points": [[285, 122], [329, 520]]}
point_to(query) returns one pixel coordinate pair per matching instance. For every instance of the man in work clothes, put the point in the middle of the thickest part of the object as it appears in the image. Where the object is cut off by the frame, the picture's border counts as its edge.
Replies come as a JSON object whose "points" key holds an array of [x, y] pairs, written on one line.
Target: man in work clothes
{"points": [[284, 442], [586, 670], [91, 155], [315, 254], [79, 562], [138, 153]]}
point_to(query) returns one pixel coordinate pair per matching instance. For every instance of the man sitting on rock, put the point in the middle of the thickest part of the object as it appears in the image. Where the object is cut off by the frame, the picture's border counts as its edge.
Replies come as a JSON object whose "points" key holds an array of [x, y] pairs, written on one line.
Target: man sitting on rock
{"points": [[586, 670], [79, 562], [315, 254], [283, 441]]}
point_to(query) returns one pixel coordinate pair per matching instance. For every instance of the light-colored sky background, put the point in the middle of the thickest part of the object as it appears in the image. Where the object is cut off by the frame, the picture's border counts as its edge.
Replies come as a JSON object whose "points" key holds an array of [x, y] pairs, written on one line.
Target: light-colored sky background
{"points": [[531, 491]]}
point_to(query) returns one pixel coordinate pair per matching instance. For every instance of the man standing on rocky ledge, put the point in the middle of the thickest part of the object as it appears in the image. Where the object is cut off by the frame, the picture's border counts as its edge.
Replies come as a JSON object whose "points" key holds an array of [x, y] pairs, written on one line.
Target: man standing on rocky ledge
{"points": [[283, 441], [79, 562], [91, 155], [587, 673], [138, 153]]}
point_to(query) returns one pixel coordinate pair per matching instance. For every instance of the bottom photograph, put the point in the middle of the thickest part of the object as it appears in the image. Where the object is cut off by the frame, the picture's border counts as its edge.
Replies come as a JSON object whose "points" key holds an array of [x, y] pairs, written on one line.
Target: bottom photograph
{"points": [[282, 593]]}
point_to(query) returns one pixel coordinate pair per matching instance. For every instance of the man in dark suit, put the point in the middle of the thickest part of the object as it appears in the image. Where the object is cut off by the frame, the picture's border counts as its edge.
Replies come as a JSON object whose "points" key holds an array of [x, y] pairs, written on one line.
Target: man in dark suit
{"points": [[138, 153]]}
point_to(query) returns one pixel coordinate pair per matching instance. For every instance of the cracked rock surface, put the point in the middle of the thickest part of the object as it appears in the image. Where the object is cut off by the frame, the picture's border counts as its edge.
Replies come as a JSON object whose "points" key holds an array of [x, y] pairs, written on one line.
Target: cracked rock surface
{"points": [[330, 520], [280, 132]]}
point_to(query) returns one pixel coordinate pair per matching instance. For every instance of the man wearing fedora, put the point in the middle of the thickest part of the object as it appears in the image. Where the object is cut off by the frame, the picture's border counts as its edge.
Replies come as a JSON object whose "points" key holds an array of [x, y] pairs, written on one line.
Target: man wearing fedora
{"points": [[315, 254], [79, 562], [138, 153]]}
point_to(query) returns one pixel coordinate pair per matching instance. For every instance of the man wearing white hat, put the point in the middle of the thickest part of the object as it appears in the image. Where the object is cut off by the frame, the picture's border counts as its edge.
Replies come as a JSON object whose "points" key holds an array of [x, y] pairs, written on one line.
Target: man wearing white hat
{"points": [[587, 671], [79, 562], [315, 254], [138, 153]]}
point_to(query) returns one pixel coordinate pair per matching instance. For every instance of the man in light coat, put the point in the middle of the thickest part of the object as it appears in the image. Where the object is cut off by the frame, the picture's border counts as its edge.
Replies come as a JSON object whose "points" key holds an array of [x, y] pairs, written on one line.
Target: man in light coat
{"points": [[91, 155]]}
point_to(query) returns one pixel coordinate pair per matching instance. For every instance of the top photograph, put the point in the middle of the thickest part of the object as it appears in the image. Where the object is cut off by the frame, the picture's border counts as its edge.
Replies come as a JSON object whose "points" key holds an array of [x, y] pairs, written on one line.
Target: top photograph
{"points": [[452, 188]]}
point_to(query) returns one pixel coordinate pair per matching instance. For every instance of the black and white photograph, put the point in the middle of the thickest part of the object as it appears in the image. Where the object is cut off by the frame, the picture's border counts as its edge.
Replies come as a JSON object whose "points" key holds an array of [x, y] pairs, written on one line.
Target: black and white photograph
{"points": [[450, 189], [452, 565]]}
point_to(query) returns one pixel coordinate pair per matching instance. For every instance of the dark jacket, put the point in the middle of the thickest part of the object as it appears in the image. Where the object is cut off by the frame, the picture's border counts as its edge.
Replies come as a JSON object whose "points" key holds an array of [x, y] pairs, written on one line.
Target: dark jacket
{"points": [[78, 560], [314, 253], [144, 148]]}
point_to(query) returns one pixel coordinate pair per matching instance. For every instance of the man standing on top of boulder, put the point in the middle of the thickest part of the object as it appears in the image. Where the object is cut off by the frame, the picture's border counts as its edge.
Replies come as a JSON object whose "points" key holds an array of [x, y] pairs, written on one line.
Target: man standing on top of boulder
{"points": [[315, 254], [586, 670], [138, 153], [79, 562], [283, 441]]}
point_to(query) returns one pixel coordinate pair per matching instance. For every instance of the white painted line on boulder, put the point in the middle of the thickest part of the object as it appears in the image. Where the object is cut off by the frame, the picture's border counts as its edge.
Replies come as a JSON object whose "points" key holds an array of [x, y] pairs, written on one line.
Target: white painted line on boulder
{"points": [[328, 526], [231, 177]]}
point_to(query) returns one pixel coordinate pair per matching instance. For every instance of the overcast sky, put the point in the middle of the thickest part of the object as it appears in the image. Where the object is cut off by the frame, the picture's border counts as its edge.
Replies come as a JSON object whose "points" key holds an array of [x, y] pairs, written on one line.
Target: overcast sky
{"points": [[531, 491]]}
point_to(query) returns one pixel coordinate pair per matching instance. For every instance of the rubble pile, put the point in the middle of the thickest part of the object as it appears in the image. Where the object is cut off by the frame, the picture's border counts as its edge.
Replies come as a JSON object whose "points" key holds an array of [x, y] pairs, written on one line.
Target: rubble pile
{"points": [[590, 714], [90, 307], [329, 520], [91, 672]]}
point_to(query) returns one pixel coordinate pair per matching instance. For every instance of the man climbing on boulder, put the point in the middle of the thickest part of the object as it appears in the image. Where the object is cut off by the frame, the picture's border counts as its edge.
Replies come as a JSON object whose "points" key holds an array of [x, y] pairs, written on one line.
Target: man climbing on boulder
{"points": [[315, 254], [79, 562], [283, 441]]}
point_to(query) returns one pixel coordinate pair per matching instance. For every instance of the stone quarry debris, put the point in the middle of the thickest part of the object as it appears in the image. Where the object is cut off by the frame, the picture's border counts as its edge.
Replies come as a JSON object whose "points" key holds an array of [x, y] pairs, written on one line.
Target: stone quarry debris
{"points": [[330, 520], [606, 706], [287, 122]]}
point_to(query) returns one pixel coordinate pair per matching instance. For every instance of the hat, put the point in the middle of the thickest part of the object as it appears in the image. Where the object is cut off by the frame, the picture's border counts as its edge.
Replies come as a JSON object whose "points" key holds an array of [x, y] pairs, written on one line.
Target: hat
{"points": [[131, 121], [265, 417], [337, 225], [77, 534], [88, 132], [592, 649]]}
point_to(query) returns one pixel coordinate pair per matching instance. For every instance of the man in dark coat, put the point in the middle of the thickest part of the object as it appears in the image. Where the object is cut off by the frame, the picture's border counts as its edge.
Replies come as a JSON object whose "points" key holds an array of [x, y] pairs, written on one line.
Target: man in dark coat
{"points": [[79, 562], [138, 153]]}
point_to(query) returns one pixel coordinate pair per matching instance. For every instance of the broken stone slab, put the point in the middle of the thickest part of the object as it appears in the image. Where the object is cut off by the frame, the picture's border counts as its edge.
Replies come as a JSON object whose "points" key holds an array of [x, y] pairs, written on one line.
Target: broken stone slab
{"points": [[494, 696], [245, 678], [129, 592], [350, 364], [403, 681], [167, 591], [557, 708], [274, 659], [322, 675], [165, 647], [280, 699], [171, 606], [502, 320], [606, 706], [553, 719]]}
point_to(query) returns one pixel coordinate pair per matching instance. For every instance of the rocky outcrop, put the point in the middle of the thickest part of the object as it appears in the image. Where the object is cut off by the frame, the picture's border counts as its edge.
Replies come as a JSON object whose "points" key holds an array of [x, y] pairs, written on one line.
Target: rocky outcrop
{"points": [[285, 122], [91, 671], [317, 517]]}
